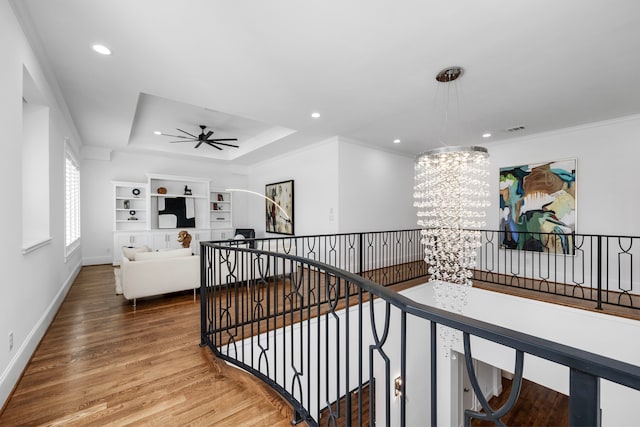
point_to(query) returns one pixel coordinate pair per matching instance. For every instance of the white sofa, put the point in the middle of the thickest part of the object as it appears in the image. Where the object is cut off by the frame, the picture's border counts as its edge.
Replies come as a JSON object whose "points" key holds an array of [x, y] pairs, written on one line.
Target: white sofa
{"points": [[143, 273], [156, 273]]}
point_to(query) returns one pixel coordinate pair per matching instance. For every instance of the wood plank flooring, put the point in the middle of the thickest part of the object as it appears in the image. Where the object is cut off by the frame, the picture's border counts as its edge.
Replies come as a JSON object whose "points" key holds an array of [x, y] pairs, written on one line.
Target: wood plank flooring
{"points": [[102, 363], [536, 406]]}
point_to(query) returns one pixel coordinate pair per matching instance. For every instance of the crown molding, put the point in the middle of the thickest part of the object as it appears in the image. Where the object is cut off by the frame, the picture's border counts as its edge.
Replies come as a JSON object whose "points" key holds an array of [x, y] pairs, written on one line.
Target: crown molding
{"points": [[23, 17]]}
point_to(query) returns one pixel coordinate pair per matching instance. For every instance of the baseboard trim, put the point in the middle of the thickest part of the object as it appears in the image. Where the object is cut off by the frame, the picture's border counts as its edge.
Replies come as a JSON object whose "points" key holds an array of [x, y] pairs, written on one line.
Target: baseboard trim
{"points": [[97, 260], [11, 375]]}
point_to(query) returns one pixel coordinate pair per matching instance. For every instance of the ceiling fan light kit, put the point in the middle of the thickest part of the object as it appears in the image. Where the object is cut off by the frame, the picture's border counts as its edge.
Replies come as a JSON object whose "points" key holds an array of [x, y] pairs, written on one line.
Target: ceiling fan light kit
{"points": [[202, 138]]}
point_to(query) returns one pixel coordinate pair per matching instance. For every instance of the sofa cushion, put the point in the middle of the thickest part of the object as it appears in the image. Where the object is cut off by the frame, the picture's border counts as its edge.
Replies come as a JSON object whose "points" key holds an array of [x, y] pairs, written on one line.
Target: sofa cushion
{"points": [[130, 253], [141, 256]]}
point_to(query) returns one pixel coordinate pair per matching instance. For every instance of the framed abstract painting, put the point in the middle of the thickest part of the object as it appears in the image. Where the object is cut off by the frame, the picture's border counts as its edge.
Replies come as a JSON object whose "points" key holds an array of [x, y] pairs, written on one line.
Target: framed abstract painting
{"points": [[279, 207], [538, 207]]}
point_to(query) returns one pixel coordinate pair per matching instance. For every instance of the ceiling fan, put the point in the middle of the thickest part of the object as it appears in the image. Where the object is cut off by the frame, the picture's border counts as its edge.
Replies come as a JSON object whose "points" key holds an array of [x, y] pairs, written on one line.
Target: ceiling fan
{"points": [[203, 138]]}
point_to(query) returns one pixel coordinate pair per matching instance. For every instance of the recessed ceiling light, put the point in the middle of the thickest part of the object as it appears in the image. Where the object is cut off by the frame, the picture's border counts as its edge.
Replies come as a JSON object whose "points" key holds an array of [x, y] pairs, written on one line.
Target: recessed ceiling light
{"points": [[396, 141], [486, 135], [315, 115], [157, 132], [101, 49]]}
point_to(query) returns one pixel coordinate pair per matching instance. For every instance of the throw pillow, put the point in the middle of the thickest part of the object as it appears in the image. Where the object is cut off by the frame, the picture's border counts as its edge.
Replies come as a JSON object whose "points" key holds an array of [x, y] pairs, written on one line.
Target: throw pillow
{"points": [[141, 256], [130, 253]]}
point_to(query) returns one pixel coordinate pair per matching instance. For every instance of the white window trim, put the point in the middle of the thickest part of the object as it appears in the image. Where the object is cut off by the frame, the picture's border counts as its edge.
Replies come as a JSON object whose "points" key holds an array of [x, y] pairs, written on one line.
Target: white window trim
{"points": [[75, 244], [36, 246]]}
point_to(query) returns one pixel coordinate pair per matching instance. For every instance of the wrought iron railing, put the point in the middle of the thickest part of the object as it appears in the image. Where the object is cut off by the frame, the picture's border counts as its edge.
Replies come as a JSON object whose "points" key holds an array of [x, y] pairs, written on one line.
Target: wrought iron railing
{"points": [[384, 257], [598, 268], [346, 351], [603, 269]]}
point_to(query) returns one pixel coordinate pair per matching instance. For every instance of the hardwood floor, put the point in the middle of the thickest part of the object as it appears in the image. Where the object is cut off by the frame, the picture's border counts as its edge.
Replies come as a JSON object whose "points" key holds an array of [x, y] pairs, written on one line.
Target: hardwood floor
{"points": [[325, 418], [536, 406], [102, 363]]}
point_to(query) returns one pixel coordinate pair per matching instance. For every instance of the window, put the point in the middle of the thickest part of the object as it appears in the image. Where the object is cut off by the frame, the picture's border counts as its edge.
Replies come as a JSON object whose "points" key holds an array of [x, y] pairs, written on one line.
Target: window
{"points": [[35, 167], [71, 203]]}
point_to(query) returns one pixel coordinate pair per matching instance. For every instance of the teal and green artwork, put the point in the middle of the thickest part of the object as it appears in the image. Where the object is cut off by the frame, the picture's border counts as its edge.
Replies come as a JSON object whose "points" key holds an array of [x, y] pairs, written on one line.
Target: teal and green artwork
{"points": [[538, 207]]}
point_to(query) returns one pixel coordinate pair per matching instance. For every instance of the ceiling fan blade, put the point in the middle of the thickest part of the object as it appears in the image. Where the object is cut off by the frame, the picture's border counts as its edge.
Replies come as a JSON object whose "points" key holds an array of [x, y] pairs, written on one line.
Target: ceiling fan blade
{"points": [[215, 141], [214, 146], [198, 144], [222, 139], [175, 136], [192, 136], [188, 140], [208, 134]]}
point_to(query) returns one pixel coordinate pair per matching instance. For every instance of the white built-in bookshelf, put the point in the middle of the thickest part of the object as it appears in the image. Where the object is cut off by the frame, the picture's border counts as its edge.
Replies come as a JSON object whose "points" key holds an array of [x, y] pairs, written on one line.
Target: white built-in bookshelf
{"points": [[137, 206]]}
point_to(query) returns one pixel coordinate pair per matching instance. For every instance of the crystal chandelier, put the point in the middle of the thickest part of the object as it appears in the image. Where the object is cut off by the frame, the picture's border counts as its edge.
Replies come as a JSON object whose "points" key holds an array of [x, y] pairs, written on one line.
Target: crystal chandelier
{"points": [[451, 193]]}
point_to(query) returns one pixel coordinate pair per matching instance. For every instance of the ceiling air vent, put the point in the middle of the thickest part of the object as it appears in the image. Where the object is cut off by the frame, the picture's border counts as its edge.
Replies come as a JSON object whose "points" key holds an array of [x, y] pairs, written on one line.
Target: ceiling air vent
{"points": [[515, 129]]}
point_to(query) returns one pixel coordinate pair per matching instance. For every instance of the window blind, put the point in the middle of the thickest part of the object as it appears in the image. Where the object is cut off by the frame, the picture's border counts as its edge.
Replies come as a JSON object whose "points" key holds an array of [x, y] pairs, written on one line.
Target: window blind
{"points": [[72, 202]]}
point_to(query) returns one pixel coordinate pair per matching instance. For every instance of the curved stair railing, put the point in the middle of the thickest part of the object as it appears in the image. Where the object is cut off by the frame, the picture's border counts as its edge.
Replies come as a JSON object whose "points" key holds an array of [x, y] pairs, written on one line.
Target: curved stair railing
{"points": [[343, 350]]}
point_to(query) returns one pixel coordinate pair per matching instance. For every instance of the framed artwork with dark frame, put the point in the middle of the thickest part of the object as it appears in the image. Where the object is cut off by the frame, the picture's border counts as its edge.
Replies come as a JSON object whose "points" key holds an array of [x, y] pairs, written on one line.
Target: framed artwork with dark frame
{"points": [[279, 207]]}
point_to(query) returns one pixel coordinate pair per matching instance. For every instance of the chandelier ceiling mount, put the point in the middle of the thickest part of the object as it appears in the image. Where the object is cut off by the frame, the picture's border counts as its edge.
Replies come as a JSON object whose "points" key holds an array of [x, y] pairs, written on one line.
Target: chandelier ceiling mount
{"points": [[449, 74]]}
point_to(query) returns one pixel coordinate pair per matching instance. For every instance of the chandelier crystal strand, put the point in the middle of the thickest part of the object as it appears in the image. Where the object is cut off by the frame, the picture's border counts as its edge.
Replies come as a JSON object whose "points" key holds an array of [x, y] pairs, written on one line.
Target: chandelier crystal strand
{"points": [[451, 193]]}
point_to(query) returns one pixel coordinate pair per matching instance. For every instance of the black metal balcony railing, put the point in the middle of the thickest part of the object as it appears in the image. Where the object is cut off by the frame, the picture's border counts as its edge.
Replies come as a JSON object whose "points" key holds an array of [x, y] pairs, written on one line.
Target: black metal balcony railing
{"points": [[596, 268], [301, 314]]}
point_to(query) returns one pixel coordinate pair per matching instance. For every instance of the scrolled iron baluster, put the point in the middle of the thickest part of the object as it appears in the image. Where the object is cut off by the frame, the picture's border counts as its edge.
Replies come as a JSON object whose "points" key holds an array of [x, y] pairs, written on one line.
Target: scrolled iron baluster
{"points": [[287, 245], [625, 292], [489, 414], [225, 258], [209, 294], [369, 257], [397, 249], [351, 246], [224, 317], [310, 248], [514, 274], [262, 356], [332, 259], [332, 293], [261, 267], [543, 279], [332, 416], [379, 342], [384, 251], [490, 248], [578, 256], [298, 371], [258, 314], [256, 305]]}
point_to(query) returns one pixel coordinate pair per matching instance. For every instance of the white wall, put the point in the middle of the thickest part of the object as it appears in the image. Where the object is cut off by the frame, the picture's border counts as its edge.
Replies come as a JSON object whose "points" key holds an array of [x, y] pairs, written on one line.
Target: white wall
{"points": [[340, 187], [607, 157], [314, 171], [33, 284], [606, 154], [97, 192], [376, 190]]}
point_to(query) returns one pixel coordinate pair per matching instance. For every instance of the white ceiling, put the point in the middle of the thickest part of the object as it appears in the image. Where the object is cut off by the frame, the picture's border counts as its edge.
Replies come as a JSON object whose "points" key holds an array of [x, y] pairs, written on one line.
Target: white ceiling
{"points": [[257, 69]]}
